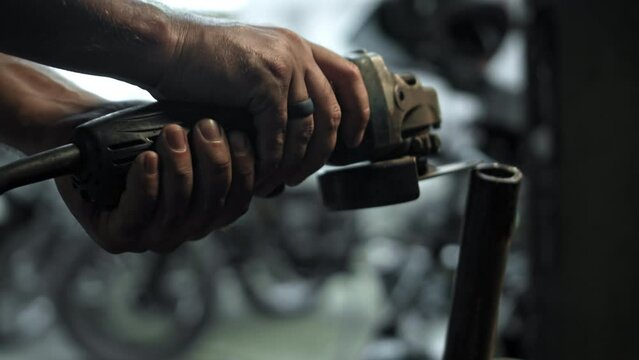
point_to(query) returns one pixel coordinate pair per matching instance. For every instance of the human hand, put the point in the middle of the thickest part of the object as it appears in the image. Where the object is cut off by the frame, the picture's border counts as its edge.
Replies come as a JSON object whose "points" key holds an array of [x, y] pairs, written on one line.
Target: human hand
{"points": [[263, 69], [171, 195], [189, 187]]}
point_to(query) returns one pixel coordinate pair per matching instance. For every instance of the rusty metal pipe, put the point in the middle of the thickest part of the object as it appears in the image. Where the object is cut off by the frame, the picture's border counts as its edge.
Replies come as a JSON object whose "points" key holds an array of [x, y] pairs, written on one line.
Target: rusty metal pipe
{"points": [[488, 226]]}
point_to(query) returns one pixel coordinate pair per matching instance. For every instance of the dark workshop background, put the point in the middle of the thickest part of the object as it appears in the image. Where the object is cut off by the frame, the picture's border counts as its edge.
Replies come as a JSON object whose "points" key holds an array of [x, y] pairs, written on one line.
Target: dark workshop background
{"points": [[583, 65], [549, 86]]}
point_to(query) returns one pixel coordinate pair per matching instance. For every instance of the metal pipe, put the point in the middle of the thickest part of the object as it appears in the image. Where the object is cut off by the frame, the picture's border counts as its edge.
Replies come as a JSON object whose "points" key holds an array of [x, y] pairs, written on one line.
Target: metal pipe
{"points": [[488, 226], [60, 161]]}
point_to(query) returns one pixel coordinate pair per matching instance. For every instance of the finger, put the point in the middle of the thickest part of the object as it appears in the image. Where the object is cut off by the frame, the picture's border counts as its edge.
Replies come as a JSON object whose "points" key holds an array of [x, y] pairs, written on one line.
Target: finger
{"points": [[137, 206], [298, 135], [269, 111], [241, 191], [212, 162], [327, 119], [351, 93], [176, 185]]}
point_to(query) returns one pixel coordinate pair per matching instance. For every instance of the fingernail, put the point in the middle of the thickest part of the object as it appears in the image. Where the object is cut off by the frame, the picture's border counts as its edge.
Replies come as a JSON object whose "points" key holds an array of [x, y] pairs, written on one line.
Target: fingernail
{"points": [[150, 164], [239, 142], [175, 138], [210, 130]]}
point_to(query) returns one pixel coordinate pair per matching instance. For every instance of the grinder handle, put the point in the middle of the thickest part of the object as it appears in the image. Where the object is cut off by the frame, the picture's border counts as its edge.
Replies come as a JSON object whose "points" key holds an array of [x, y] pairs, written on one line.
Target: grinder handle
{"points": [[109, 144]]}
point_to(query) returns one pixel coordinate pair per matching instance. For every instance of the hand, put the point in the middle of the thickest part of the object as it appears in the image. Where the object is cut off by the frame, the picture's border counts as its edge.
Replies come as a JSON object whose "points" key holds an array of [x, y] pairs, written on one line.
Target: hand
{"points": [[263, 69], [182, 192]]}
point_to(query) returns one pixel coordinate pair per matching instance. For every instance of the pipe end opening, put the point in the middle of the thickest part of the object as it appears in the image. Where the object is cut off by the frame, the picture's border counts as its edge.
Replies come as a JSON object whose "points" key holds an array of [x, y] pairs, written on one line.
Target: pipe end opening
{"points": [[500, 173]]}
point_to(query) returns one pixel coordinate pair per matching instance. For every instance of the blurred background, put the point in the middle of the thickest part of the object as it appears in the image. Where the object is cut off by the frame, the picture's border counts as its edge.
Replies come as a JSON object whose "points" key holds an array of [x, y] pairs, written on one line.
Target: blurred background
{"points": [[545, 86]]}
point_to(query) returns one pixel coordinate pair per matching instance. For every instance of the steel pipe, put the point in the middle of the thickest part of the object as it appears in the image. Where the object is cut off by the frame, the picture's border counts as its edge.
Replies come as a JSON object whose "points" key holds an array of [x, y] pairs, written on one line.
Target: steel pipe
{"points": [[488, 226]]}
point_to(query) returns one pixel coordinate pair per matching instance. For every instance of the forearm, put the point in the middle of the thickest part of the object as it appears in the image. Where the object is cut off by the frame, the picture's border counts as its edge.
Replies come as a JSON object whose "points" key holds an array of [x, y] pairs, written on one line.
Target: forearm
{"points": [[33, 100], [126, 39]]}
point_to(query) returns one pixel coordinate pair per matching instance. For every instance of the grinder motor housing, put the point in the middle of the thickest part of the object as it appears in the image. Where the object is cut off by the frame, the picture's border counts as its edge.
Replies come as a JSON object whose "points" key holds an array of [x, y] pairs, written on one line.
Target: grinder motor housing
{"points": [[397, 141]]}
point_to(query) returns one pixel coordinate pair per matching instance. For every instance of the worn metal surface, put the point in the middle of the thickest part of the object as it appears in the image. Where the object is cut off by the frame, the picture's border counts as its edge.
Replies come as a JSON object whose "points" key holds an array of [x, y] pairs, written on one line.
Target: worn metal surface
{"points": [[490, 215]]}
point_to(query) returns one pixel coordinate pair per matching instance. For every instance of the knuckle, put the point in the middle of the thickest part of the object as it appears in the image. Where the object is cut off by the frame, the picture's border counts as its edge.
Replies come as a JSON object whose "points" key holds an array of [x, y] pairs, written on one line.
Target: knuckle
{"points": [[280, 69], [350, 72], [245, 171], [274, 152], [265, 97], [218, 154], [306, 132], [365, 115], [280, 118], [335, 117], [222, 167], [288, 33], [254, 71], [292, 39], [183, 172], [242, 156], [278, 143], [275, 123]]}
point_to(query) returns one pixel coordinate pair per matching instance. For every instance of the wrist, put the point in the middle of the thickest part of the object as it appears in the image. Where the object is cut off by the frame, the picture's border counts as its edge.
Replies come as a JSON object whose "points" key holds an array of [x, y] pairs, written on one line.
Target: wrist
{"points": [[172, 43], [50, 124], [192, 46], [33, 102], [160, 36]]}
